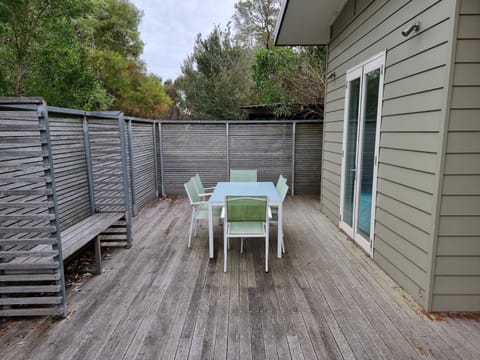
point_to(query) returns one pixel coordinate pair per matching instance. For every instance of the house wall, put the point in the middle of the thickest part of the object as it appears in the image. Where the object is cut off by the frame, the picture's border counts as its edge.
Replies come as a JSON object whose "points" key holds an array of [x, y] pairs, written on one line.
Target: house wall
{"points": [[457, 266], [413, 117]]}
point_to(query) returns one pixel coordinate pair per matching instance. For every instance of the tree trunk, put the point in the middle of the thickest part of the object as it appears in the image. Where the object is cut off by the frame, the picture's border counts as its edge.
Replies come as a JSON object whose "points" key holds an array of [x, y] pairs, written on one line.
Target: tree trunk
{"points": [[19, 79]]}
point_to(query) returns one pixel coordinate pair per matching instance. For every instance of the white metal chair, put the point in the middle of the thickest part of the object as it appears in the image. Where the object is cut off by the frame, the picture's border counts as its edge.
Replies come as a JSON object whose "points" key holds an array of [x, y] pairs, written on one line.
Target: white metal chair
{"points": [[199, 208], [201, 190], [245, 217], [282, 189]]}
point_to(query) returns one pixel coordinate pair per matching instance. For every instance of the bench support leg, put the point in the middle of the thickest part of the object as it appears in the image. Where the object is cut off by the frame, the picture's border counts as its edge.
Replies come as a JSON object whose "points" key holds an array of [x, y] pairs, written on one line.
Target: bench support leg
{"points": [[98, 255]]}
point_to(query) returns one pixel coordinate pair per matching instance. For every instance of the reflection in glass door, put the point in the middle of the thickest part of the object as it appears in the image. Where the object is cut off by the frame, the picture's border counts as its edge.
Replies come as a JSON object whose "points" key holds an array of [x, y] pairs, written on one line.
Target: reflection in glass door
{"points": [[360, 147], [351, 150]]}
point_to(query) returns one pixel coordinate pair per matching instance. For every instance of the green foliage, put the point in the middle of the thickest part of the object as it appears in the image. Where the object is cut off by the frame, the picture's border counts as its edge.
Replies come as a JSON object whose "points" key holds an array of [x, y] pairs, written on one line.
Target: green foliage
{"points": [[269, 67], [216, 78], [288, 76], [81, 54], [115, 27]]}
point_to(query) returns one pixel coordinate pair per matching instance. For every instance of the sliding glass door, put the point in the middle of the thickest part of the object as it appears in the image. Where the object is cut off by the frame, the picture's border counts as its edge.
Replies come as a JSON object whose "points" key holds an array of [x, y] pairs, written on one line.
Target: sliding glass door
{"points": [[360, 150]]}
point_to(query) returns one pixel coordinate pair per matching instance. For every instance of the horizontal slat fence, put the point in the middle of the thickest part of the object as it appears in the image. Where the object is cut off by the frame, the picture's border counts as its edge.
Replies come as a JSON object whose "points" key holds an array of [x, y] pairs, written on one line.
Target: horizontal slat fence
{"points": [[109, 180], [212, 148], [308, 155], [189, 149], [70, 163], [143, 162], [265, 147], [31, 268]]}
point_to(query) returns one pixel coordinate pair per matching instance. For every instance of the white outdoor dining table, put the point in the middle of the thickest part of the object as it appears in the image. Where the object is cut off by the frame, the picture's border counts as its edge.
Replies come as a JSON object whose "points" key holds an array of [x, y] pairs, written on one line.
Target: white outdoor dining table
{"points": [[244, 188]]}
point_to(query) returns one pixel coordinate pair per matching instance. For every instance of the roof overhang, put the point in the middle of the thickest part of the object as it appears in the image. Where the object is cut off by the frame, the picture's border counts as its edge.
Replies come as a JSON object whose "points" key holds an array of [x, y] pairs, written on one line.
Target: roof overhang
{"points": [[306, 22]]}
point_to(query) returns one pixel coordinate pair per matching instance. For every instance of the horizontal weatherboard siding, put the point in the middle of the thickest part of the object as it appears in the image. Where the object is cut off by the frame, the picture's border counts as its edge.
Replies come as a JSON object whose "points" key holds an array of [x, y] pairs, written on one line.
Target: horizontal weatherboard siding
{"points": [[416, 71], [457, 267]]}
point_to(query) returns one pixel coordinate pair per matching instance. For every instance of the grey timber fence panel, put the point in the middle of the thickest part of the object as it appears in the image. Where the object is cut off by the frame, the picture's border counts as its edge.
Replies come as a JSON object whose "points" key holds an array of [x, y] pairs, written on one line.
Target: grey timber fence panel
{"points": [[31, 266], [143, 163], [308, 158], [193, 148], [70, 163], [108, 172], [265, 147]]}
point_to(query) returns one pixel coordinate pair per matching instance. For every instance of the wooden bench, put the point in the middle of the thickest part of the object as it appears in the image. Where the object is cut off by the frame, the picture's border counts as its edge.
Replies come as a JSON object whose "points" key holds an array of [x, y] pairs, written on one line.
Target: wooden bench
{"points": [[77, 236], [80, 234]]}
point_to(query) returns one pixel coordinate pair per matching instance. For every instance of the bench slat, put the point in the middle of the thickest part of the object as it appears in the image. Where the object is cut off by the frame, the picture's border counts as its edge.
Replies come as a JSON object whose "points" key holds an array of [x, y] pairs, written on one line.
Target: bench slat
{"points": [[80, 234]]}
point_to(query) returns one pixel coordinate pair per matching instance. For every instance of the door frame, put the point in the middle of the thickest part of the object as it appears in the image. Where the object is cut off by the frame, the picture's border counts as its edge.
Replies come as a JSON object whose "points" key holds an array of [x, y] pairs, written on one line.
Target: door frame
{"points": [[359, 71]]}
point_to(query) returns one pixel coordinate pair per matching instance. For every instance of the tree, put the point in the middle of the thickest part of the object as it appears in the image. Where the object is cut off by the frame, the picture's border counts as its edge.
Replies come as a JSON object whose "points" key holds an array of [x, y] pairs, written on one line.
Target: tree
{"points": [[216, 78], [115, 57], [115, 27], [82, 54], [175, 111], [291, 77], [254, 22], [40, 54]]}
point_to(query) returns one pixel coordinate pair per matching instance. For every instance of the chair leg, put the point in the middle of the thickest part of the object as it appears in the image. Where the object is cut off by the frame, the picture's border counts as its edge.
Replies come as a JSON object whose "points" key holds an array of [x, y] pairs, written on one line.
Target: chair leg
{"points": [[196, 227], [241, 245], [191, 228], [283, 244], [225, 253], [266, 252]]}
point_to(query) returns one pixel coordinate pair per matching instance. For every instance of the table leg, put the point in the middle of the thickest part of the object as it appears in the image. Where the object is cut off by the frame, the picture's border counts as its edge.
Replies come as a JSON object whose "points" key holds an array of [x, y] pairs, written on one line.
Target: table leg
{"points": [[210, 230], [280, 230]]}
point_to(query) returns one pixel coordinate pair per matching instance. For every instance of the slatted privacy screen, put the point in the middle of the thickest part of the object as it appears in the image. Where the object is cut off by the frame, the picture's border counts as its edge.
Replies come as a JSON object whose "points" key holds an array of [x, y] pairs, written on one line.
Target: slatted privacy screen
{"points": [[143, 162], [70, 165], [31, 269], [188, 149], [106, 164], [107, 170], [265, 147], [308, 155]]}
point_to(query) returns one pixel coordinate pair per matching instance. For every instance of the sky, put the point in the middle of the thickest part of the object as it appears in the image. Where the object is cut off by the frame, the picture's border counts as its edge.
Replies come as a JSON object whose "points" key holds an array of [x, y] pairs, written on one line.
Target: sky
{"points": [[169, 29]]}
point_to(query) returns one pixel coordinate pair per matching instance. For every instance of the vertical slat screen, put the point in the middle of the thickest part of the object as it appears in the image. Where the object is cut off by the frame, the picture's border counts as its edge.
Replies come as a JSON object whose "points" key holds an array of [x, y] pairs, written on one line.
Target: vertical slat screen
{"points": [[265, 147], [143, 162], [31, 273], [193, 148], [70, 165], [308, 158]]}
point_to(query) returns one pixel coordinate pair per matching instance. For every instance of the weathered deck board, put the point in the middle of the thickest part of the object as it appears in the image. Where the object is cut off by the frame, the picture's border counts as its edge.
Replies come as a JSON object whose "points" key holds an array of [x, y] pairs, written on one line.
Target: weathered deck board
{"points": [[324, 299]]}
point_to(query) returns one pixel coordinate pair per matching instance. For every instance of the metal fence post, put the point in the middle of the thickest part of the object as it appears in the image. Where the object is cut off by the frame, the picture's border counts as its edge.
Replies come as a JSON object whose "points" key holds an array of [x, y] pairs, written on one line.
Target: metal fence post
{"points": [[294, 131], [132, 169], [227, 136], [160, 143], [88, 157], [126, 195], [50, 174], [155, 157]]}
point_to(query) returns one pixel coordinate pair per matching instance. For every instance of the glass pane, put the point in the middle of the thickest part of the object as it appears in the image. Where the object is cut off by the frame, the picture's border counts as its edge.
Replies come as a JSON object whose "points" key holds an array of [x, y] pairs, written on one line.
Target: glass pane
{"points": [[368, 153], [351, 150]]}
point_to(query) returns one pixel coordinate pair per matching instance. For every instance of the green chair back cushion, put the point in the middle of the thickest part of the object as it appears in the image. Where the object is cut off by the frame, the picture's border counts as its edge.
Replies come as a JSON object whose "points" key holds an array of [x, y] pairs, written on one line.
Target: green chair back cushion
{"points": [[192, 191], [243, 175], [246, 208]]}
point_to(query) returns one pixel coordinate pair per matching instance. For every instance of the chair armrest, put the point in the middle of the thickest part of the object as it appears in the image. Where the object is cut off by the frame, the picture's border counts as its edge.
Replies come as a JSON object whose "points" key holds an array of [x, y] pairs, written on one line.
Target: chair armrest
{"points": [[205, 194], [199, 203], [210, 188]]}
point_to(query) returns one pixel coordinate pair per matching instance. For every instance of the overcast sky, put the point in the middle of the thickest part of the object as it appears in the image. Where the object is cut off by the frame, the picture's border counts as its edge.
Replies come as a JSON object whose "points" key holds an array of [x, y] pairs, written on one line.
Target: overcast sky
{"points": [[169, 28]]}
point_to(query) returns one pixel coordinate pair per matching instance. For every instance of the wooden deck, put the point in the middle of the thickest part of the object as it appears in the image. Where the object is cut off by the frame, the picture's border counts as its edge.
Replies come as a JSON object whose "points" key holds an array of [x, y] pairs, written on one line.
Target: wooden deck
{"points": [[160, 300]]}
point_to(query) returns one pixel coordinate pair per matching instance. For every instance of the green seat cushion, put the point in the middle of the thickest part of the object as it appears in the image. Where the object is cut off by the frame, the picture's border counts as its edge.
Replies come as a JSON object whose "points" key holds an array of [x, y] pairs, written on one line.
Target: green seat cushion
{"points": [[246, 228], [203, 211]]}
